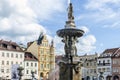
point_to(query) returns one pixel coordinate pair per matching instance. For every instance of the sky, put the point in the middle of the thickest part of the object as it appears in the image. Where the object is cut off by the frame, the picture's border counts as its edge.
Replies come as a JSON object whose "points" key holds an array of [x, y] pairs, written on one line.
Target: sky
{"points": [[23, 20]]}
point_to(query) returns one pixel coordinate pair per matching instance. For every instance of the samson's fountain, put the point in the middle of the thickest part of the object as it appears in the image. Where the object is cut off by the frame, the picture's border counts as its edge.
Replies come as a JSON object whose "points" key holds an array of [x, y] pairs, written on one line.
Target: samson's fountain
{"points": [[69, 68]]}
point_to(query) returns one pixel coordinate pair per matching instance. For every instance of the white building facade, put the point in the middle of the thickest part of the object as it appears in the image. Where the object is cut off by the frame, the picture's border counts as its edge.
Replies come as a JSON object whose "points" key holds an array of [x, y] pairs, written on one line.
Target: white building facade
{"points": [[106, 63], [104, 67], [10, 54], [30, 65]]}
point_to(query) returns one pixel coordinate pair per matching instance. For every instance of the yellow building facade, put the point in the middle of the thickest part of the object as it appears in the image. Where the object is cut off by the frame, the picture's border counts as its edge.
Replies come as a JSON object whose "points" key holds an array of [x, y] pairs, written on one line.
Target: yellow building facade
{"points": [[45, 54]]}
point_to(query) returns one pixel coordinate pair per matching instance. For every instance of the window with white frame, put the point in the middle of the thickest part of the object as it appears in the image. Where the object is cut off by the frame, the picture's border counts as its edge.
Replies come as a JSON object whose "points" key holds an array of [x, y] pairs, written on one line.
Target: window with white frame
{"points": [[7, 62], [3, 63], [11, 62], [27, 64], [3, 54], [7, 54], [32, 64], [20, 55], [16, 55], [35, 64], [27, 72], [7, 71], [2, 70], [11, 55]]}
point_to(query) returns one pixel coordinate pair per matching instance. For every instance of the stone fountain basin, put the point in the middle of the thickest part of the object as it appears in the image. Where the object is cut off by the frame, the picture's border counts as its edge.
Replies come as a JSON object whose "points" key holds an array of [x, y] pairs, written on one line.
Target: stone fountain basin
{"points": [[70, 32]]}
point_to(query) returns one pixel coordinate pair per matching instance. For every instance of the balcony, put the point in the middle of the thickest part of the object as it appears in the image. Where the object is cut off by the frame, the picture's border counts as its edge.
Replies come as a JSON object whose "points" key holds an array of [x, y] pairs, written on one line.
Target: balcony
{"points": [[103, 64]]}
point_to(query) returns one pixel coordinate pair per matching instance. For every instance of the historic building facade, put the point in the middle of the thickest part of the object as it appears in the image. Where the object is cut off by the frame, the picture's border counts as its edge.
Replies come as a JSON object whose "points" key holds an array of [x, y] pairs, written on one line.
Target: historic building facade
{"points": [[30, 65], [89, 66], [10, 54], [44, 51], [116, 65], [108, 66]]}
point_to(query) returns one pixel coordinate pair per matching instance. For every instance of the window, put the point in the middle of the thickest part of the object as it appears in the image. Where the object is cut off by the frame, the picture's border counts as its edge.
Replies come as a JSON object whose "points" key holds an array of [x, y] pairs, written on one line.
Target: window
{"points": [[7, 54], [4, 45], [35, 64], [41, 51], [7, 71], [11, 62], [48, 66], [13, 46], [20, 55], [108, 61], [94, 70], [27, 64], [41, 66], [7, 62], [103, 62], [27, 72], [99, 69], [3, 54], [2, 62], [87, 64], [11, 55], [16, 55], [2, 70]]}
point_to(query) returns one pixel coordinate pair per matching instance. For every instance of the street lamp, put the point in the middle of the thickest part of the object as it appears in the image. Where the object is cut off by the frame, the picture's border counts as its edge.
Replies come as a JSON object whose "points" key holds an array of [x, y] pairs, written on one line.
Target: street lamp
{"points": [[101, 76], [33, 76], [20, 72]]}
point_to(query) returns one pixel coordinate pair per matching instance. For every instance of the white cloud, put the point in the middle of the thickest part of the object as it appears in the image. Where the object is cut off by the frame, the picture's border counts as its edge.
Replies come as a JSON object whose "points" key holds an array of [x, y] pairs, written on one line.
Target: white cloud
{"points": [[100, 4], [86, 44], [85, 29], [102, 12], [44, 9], [19, 19]]}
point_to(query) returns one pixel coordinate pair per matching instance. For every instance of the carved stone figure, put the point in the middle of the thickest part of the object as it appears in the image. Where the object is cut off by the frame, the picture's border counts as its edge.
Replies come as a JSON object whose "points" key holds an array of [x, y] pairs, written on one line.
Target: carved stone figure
{"points": [[70, 12], [63, 70], [70, 47]]}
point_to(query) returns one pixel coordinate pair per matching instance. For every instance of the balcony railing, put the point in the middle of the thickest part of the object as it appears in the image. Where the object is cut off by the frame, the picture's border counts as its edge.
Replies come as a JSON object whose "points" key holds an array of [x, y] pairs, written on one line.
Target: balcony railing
{"points": [[103, 64]]}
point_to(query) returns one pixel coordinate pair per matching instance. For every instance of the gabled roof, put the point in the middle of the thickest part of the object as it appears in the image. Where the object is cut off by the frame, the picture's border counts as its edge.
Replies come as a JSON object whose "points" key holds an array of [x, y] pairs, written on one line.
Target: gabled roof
{"points": [[10, 46], [111, 51], [30, 57]]}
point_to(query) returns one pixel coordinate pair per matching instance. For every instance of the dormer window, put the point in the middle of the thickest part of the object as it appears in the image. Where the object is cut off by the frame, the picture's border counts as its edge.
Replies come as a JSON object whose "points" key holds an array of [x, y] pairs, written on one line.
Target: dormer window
{"points": [[4, 45], [13, 46]]}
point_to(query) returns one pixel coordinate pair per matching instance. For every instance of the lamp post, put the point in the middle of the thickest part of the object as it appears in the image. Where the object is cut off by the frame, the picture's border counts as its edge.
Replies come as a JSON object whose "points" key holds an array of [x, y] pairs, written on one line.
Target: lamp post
{"points": [[101, 76], [70, 34], [20, 69], [33, 76]]}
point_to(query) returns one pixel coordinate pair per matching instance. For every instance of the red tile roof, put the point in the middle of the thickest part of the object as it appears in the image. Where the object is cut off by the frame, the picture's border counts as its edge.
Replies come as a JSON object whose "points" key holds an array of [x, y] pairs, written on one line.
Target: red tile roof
{"points": [[9, 45], [30, 57], [111, 51]]}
